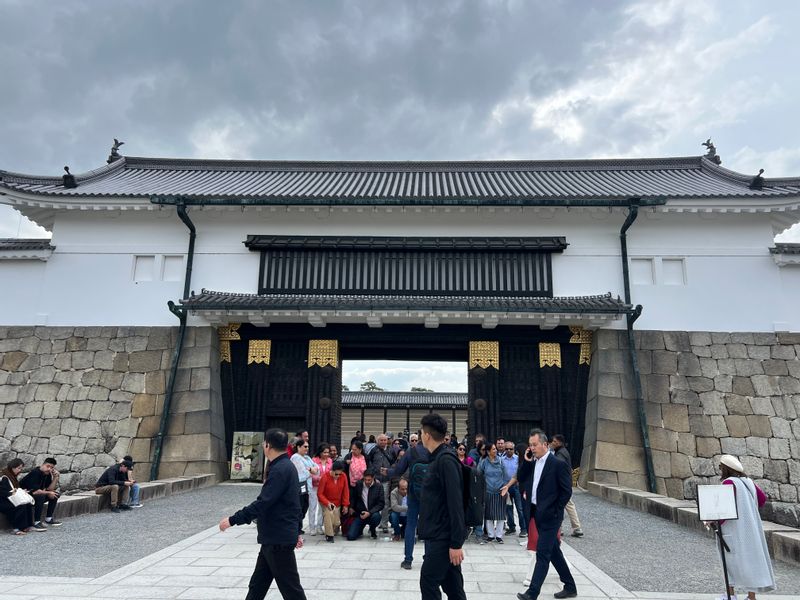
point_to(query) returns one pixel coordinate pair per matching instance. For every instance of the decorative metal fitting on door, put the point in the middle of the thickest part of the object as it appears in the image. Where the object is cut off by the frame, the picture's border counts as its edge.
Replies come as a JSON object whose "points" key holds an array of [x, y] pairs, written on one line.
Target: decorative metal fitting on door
{"points": [[259, 351], [323, 353], [227, 334], [549, 354], [484, 355], [584, 338]]}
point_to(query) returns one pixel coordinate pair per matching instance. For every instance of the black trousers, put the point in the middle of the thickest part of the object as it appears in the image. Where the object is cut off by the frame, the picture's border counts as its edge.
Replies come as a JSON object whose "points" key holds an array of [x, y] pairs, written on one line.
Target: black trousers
{"points": [[21, 517], [276, 563], [303, 506], [438, 572], [38, 508], [548, 550]]}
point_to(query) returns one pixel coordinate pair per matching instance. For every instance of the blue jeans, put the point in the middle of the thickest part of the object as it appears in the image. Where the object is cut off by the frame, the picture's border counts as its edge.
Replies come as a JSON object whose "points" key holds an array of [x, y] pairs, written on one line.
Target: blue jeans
{"points": [[135, 493], [357, 528], [398, 522], [412, 517], [516, 500]]}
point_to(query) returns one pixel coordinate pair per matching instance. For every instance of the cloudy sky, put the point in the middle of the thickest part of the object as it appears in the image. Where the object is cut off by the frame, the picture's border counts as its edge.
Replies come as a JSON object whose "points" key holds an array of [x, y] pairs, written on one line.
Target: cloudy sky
{"points": [[399, 80], [401, 376]]}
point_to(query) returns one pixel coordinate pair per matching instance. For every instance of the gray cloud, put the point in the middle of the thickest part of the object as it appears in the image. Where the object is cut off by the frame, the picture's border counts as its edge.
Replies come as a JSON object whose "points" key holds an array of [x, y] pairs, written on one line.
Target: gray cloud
{"points": [[397, 80]]}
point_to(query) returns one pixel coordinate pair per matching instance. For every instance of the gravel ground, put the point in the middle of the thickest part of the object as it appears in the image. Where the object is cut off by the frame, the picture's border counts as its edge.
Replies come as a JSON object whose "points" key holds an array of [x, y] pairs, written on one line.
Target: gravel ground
{"points": [[645, 553], [92, 545]]}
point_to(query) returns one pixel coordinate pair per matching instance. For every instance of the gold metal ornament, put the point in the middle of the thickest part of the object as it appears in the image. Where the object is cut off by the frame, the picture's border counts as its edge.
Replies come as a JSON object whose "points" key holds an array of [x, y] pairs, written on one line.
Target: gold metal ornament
{"points": [[227, 334], [258, 352], [484, 355], [549, 354], [323, 353], [584, 338]]}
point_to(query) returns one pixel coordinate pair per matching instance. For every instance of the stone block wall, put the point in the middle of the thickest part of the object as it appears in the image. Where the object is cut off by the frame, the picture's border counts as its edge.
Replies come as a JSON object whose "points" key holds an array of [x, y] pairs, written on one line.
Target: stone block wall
{"points": [[89, 395], [706, 394]]}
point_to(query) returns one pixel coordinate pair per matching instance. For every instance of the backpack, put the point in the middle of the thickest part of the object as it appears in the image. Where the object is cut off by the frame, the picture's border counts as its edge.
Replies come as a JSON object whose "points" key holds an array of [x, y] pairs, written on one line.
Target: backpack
{"points": [[416, 476], [474, 487]]}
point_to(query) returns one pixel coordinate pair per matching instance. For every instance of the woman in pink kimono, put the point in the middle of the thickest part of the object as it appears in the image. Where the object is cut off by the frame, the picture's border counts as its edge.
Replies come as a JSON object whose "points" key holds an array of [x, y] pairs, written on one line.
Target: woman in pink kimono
{"points": [[749, 565]]}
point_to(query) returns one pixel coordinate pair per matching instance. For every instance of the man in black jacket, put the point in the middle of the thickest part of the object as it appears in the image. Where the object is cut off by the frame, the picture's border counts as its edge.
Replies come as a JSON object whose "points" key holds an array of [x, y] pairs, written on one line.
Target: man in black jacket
{"points": [[441, 516], [550, 481], [114, 482], [366, 503], [277, 510], [559, 447], [42, 483]]}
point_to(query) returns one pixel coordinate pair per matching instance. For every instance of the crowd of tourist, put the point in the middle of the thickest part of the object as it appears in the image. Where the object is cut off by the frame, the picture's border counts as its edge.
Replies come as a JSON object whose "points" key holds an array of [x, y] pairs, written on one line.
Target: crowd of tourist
{"points": [[373, 486], [23, 498]]}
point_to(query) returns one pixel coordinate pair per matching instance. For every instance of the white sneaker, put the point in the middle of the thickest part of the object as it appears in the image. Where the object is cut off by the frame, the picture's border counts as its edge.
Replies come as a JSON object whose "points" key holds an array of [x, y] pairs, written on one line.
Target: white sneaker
{"points": [[313, 532]]}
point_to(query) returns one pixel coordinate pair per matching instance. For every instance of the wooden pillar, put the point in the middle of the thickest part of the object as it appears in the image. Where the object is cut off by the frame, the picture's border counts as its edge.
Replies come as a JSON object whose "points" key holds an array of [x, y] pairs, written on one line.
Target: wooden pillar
{"points": [[324, 392], [484, 388]]}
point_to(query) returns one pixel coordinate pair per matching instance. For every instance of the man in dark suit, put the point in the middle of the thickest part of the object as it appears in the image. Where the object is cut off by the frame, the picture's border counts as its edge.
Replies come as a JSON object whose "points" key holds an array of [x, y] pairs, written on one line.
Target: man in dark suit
{"points": [[548, 483], [366, 503], [278, 515]]}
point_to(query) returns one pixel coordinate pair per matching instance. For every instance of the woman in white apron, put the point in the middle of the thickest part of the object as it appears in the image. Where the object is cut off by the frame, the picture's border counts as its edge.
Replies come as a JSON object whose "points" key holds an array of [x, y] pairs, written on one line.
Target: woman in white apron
{"points": [[749, 565]]}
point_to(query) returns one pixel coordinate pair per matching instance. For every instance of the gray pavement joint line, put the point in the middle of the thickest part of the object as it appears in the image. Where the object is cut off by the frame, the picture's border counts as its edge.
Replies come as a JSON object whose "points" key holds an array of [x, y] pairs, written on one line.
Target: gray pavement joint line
{"points": [[151, 559], [595, 574]]}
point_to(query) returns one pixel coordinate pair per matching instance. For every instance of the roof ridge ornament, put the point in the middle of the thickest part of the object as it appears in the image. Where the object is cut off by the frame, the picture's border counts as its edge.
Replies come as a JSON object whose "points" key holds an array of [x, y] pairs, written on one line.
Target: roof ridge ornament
{"points": [[712, 152], [757, 182], [69, 179], [115, 155]]}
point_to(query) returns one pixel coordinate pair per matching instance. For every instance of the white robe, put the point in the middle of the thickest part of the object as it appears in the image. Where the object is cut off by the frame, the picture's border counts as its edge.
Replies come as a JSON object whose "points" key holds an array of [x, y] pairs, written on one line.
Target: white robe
{"points": [[749, 565]]}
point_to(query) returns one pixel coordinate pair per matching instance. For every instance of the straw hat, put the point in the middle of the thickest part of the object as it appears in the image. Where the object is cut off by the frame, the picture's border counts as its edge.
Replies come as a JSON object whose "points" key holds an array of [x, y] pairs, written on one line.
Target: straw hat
{"points": [[731, 462]]}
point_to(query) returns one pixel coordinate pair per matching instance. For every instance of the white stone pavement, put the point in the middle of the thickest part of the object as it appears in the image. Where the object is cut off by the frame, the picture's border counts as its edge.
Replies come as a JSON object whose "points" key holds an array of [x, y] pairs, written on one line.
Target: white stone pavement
{"points": [[214, 565]]}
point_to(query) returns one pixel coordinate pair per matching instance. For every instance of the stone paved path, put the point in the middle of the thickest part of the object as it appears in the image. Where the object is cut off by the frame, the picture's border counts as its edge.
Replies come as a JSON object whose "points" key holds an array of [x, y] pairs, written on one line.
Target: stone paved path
{"points": [[214, 565]]}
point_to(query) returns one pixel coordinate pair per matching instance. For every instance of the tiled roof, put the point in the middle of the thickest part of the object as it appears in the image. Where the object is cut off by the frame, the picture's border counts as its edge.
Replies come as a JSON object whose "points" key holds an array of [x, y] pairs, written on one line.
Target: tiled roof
{"points": [[489, 182], [786, 248], [209, 300], [29, 244], [404, 399]]}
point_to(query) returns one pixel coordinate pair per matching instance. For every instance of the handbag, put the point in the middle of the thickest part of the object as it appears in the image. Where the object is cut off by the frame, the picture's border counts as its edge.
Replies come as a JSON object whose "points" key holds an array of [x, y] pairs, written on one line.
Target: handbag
{"points": [[533, 535], [19, 497], [304, 488]]}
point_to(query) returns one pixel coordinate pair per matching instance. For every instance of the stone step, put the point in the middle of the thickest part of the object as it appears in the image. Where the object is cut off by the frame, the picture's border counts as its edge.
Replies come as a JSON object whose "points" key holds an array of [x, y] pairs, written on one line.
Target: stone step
{"points": [[783, 541], [87, 502]]}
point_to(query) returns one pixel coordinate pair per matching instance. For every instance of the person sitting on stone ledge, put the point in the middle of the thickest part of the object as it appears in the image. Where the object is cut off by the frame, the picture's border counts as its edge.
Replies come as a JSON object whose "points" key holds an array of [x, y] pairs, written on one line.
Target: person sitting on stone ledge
{"points": [[114, 481], [135, 490], [366, 504], [42, 484], [21, 517]]}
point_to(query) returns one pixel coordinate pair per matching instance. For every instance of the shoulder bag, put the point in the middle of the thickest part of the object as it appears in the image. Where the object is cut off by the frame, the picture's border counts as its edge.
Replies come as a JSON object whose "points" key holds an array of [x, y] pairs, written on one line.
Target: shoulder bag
{"points": [[19, 496]]}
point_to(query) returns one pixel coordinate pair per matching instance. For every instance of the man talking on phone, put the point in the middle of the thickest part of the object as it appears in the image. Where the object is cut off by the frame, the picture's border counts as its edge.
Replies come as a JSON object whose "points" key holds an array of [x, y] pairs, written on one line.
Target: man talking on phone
{"points": [[277, 510], [548, 482]]}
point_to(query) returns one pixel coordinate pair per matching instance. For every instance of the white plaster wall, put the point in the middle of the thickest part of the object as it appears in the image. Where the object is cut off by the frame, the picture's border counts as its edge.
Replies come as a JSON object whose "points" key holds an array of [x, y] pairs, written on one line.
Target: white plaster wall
{"points": [[20, 290], [732, 283]]}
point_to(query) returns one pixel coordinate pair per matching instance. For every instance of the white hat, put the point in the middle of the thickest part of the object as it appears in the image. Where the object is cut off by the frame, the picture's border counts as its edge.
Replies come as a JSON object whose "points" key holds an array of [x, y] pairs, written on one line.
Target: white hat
{"points": [[731, 462]]}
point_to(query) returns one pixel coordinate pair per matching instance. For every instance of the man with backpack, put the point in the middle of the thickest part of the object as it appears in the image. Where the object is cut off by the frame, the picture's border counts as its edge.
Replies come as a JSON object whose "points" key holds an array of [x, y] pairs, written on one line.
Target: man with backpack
{"points": [[381, 457], [441, 518], [415, 462]]}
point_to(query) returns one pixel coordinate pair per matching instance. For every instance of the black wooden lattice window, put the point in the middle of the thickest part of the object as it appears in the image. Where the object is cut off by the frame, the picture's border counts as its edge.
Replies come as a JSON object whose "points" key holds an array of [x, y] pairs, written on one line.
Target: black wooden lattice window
{"points": [[427, 273]]}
